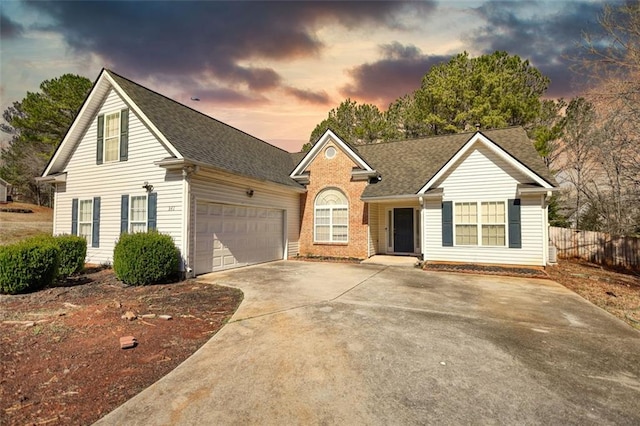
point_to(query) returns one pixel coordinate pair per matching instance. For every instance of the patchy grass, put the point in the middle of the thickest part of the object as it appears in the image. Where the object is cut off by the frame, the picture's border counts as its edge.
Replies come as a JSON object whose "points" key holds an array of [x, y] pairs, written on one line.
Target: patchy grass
{"points": [[18, 226], [617, 292]]}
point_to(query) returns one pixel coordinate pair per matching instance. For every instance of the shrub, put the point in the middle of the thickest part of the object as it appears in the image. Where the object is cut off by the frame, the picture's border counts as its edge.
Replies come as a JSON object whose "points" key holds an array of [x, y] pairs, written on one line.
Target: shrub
{"points": [[29, 265], [73, 251], [145, 258]]}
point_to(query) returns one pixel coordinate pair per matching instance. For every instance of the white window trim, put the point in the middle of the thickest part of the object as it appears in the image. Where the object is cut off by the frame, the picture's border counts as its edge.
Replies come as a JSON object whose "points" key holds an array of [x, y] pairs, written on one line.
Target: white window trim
{"points": [[146, 216], [90, 222], [331, 207], [479, 223], [104, 136]]}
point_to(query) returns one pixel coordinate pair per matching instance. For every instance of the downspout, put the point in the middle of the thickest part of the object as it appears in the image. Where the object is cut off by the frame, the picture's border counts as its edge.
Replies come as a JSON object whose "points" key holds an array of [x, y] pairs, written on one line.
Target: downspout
{"points": [[187, 171], [423, 246]]}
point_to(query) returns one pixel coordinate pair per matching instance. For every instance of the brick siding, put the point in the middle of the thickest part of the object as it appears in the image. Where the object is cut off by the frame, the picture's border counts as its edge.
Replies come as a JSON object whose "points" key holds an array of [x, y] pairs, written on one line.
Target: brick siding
{"points": [[334, 173]]}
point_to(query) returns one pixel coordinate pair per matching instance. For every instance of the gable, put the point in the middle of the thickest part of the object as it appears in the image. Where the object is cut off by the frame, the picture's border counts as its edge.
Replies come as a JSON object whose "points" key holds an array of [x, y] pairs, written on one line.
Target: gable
{"points": [[519, 147], [330, 139], [481, 173], [143, 146], [104, 87]]}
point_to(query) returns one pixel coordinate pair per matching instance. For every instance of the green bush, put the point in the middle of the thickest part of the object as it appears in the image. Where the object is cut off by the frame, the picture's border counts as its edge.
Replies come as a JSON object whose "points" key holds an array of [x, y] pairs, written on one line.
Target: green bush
{"points": [[73, 251], [29, 265], [145, 258]]}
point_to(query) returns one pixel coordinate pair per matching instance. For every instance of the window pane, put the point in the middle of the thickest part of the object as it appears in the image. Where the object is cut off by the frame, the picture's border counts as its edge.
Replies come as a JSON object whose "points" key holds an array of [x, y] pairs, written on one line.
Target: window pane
{"points": [[322, 233], [340, 233], [139, 209], [493, 212], [138, 227], [493, 235], [112, 125], [340, 216], [466, 235], [84, 230], [112, 137], [466, 213], [86, 207]]}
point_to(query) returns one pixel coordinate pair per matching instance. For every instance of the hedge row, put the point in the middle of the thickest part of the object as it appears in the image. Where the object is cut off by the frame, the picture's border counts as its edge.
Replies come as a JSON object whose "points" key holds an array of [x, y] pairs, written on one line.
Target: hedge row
{"points": [[36, 262], [138, 259]]}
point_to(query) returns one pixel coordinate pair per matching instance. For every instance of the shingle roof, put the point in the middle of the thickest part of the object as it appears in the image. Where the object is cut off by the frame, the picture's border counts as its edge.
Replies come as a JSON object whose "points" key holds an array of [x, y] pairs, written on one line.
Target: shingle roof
{"points": [[202, 138], [406, 166]]}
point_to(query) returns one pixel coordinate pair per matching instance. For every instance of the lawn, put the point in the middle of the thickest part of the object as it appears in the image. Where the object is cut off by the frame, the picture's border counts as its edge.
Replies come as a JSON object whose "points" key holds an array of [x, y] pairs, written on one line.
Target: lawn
{"points": [[17, 226]]}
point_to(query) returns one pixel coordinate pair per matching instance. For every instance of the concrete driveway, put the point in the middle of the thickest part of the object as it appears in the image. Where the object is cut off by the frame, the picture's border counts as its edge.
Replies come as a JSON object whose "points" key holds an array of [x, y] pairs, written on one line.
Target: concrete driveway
{"points": [[319, 343]]}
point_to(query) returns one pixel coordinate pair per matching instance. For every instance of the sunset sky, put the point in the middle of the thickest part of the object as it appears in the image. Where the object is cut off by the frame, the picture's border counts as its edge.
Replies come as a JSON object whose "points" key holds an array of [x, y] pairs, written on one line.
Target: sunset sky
{"points": [[274, 69]]}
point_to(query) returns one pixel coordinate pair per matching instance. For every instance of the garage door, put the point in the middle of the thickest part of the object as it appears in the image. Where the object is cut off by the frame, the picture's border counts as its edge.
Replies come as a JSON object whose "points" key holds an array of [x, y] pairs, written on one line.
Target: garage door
{"points": [[229, 236]]}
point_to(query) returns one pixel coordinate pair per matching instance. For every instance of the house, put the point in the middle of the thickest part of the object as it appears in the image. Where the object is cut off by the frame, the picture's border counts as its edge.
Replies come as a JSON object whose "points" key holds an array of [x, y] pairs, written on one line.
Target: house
{"points": [[4, 191], [135, 160]]}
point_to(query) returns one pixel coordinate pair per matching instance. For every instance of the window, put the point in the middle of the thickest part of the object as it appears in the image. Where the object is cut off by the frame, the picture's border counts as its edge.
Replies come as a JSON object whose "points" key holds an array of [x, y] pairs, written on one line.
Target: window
{"points": [[112, 137], [487, 226], [138, 214], [331, 217], [493, 223], [330, 152], [85, 219], [466, 224]]}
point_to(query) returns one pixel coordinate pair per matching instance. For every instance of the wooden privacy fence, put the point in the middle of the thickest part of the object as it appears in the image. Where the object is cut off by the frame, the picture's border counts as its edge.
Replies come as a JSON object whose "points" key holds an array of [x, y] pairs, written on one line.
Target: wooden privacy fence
{"points": [[596, 247]]}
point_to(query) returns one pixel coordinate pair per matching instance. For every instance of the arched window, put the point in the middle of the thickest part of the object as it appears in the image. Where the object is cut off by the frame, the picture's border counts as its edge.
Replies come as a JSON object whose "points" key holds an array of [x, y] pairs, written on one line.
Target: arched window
{"points": [[331, 217]]}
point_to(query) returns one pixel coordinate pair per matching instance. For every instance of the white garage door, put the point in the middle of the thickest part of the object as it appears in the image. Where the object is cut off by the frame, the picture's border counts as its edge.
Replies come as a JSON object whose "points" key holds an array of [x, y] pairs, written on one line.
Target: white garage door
{"points": [[229, 236]]}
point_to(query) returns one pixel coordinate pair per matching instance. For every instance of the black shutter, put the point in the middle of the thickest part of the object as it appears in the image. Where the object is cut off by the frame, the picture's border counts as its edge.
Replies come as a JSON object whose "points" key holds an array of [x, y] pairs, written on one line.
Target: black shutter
{"points": [[447, 223], [95, 237], [152, 211], [515, 228], [124, 214], [124, 134], [100, 144], [74, 216]]}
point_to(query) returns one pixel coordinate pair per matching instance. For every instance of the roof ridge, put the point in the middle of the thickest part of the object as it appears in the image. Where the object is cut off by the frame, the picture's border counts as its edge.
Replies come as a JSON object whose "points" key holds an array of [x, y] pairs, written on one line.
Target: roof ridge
{"points": [[192, 109], [437, 136]]}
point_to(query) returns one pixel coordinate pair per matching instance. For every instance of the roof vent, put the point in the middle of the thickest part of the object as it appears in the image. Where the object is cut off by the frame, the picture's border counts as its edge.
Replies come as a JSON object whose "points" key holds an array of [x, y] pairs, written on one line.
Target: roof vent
{"points": [[478, 127]]}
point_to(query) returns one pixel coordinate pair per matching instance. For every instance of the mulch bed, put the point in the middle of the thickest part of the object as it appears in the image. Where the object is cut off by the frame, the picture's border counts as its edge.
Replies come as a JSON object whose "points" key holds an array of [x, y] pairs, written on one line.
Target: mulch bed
{"points": [[60, 356], [486, 269]]}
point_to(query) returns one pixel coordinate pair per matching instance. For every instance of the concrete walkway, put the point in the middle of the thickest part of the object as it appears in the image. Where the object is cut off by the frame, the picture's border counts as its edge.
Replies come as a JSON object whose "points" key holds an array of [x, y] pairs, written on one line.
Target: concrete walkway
{"points": [[381, 259], [318, 343]]}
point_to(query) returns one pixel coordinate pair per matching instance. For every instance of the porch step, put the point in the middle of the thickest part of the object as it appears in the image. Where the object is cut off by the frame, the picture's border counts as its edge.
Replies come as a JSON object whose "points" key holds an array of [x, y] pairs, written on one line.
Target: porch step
{"points": [[379, 259]]}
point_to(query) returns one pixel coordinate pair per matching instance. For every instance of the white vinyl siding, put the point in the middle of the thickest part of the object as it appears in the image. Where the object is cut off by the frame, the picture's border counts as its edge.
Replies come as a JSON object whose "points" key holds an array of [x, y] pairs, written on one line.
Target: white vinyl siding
{"points": [[85, 219], [138, 214], [112, 180], [374, 228], [482, 176], [112, 137]]}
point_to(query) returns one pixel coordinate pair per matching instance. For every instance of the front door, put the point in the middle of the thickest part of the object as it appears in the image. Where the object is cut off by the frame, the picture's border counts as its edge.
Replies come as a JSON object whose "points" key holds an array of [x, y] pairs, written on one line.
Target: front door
{"points": [[403, 230]]}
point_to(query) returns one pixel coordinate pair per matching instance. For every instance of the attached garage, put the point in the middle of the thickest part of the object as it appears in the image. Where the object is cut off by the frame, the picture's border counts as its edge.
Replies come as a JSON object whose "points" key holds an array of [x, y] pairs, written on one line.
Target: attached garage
{"points": [[229, 236]]}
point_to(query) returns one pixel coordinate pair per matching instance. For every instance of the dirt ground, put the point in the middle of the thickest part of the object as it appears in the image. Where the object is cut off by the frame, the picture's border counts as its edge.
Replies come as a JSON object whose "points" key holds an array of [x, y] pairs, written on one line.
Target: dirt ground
{"points": [[60, 356], [615, 292]]}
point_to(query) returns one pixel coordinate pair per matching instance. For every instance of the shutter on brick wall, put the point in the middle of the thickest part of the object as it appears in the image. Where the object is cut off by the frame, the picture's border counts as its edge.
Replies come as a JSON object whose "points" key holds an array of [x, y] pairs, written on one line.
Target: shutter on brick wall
{"points": [[124, 134], [515, 227], [100, 144], [95, 237], [124, 214], [152, 211], [447, 223], [74, 216]]}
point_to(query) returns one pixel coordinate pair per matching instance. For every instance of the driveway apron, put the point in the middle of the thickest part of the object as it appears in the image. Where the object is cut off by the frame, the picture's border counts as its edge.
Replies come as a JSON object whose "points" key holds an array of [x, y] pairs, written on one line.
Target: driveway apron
{"points": [[320, 343]]}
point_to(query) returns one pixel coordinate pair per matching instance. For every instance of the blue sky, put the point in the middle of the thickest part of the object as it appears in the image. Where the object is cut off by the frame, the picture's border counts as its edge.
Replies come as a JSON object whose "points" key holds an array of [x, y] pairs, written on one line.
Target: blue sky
{"points": [[274, 69]]}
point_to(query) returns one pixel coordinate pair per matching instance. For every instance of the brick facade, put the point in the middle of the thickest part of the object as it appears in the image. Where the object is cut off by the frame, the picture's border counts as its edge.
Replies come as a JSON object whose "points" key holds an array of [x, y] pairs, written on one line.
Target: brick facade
{"points": [[334, 173]]}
